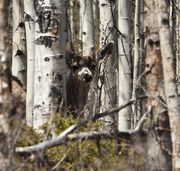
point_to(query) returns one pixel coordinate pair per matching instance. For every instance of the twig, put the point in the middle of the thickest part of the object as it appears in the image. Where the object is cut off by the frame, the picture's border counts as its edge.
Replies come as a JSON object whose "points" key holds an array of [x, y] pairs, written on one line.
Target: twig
{"points": [[60, 161]]}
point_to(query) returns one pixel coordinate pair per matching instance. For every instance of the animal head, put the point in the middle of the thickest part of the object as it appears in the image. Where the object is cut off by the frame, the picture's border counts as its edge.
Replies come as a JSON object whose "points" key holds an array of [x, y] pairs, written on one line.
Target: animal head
{"points": [[83, 67]]}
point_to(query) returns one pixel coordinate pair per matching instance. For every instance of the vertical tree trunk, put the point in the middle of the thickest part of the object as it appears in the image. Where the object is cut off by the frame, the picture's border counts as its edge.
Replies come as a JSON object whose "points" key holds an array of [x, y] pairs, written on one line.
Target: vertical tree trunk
{"points": [[177, 43], [109, 65], [124, 63], [5, 101], [137, 60], [80, 22], [172, 98], [158, 139], [19, 57], [50, 62], [72, 5], [88, 35], [30, 31]]}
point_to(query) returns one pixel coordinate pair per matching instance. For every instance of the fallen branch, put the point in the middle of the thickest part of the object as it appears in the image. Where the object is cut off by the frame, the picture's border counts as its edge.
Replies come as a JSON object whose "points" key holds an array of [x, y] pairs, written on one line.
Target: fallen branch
{"points": [[72, 137], [60, 138]]}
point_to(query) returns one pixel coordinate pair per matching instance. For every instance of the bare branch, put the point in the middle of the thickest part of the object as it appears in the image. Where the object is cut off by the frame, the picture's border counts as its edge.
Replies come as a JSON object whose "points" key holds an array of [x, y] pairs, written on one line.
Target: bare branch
{"points": [[72, 137]]}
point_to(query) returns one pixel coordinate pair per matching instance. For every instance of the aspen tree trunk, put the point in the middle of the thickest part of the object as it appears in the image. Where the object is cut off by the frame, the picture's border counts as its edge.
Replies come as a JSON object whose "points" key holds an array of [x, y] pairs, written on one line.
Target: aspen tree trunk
{"points": [[50, 62], [72, 2], [5, 101], [109, 66], [80, 22], [19, 52], [172, 98], [137, 58], [88, 35], [158, 147], [124, 63], [177, 43], [30, 32], [96, 21]]}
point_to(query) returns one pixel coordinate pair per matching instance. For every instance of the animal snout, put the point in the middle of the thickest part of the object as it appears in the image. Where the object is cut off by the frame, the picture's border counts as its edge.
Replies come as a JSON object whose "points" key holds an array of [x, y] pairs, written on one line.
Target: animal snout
{"points": [[85, 74], [87, 77]]}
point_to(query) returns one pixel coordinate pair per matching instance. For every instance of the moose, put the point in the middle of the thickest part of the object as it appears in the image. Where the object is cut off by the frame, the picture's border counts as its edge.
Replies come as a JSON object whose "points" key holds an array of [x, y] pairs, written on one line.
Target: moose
{"points": [[82, 70]]}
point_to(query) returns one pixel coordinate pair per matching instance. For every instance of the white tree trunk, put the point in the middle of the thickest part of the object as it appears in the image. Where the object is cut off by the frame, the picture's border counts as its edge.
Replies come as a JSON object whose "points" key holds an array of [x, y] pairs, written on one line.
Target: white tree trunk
{"points": [[125, 80], [72, 19], [50, 62], [19, 58], [137, 60], [80, 22], [88, 34], [177, 43], [109, 66], [172, 97], [29, 26]]}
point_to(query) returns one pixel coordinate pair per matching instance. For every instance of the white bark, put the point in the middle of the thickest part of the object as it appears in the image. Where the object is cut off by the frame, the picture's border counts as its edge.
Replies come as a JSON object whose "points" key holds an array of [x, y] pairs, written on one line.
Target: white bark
{"points": [[88, 34], [177, 43], [18, 56], [80, 20], [172, 97], [50, 63], [72, 19], [137, 56], [29, 25], [125, 80], [109, 67]]}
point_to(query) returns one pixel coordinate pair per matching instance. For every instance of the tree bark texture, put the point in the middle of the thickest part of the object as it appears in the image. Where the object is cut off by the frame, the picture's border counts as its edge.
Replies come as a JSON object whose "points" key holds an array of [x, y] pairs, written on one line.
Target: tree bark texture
{"points": [[169, 71], [50, 62], [158, 138], [124, 64], [6, 151], [19, 62], [30, 32]]}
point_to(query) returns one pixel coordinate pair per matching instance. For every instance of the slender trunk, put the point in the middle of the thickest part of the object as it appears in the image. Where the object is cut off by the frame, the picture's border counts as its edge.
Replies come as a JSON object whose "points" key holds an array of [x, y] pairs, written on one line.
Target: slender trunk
{"points": [[19, 57], [124, 63], [29, 26], [108, 98], [88, 36], [137, 64], [50, 62], [172, 98], [80, 22], [177, 43], [5, 102], [96, 21], [72, 19]]}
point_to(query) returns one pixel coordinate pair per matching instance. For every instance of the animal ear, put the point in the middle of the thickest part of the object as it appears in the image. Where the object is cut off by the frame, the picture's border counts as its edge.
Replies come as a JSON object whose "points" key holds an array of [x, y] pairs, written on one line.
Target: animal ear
{"points": [[105, 51]]}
